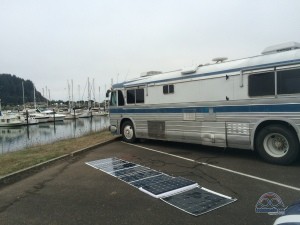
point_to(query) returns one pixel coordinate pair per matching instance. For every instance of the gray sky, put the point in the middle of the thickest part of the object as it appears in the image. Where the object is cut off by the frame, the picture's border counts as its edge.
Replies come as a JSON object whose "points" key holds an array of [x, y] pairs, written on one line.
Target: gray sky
{"points": [[52, 41]]}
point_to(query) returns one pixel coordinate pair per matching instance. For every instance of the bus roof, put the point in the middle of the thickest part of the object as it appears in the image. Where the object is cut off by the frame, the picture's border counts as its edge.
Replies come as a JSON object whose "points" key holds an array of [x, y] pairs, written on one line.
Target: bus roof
{"points": [[234, 66]]}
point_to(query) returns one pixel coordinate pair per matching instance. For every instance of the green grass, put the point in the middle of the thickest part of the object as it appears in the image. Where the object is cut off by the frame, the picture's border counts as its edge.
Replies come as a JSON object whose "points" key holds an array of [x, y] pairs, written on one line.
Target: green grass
{"points": [[14, 161]]}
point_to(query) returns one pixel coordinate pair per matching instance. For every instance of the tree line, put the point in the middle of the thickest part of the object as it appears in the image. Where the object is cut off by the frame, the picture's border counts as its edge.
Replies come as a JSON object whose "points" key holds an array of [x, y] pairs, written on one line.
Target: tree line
{"points": [[11, 92]]}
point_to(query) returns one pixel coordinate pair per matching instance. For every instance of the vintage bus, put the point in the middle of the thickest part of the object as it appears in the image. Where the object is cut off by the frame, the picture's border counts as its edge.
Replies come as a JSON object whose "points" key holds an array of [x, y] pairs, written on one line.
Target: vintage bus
{"points": [[250, 103]]}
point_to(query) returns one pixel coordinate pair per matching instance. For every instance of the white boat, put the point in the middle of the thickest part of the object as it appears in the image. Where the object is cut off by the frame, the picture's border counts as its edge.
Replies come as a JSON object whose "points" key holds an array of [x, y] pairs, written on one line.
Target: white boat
{"points": [[85, 114], [31, 120], [42, 118], [71, 116], [53, 116], [10, 120], [97, 112]]}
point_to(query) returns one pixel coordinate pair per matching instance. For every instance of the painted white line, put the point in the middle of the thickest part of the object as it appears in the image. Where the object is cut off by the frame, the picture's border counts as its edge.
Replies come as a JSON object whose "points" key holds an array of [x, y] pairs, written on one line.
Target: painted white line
{"points": [[221, 168]]}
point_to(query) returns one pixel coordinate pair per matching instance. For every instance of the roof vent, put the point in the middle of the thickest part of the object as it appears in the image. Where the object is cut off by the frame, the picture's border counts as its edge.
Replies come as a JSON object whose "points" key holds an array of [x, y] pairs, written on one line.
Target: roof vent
{"points": [[281, 48], [188, 70], [219, 59], [150, 73]]}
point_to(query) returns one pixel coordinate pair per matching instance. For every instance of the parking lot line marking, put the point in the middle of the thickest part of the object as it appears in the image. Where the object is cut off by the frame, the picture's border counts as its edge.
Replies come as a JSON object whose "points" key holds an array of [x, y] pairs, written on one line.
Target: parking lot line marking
{"points": [[220, 168]]}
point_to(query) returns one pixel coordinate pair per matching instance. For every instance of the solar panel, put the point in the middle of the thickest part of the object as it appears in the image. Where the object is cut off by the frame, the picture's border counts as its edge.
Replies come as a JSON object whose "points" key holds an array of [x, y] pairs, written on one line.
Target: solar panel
{"points": [[169, 187], [179, 192], [100, 164], [128, 171], [198, 201], [100, 161], [151, 180], [114, 162], [139, 175], [114, 168]]}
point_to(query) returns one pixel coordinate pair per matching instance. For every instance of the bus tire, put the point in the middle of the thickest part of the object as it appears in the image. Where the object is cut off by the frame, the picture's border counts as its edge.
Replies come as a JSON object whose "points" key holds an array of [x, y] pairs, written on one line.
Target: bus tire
{"points": [[277, 144], [128, 133]]}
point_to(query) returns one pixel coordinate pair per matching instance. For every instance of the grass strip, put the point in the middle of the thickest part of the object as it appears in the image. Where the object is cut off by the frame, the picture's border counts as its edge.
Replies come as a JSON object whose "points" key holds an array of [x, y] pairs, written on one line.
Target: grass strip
{"points": [[15, 161]]}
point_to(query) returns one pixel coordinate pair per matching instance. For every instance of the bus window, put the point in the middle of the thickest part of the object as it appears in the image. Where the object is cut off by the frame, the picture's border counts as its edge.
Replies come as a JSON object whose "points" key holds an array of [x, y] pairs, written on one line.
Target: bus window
{"points": [[120, 98], [140, 96], [168, 89], [288, 81], [130, 96], [113, 98], [135, 96], [261, 84]]}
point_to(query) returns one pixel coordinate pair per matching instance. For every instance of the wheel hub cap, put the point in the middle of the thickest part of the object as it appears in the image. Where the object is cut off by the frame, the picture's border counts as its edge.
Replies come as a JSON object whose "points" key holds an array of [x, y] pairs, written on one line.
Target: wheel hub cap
{"points": [[276, 145], [128, 132]]}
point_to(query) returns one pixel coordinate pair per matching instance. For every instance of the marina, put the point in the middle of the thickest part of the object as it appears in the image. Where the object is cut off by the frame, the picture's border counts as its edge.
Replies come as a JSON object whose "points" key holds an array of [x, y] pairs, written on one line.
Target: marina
{"points": [[20, 137]]}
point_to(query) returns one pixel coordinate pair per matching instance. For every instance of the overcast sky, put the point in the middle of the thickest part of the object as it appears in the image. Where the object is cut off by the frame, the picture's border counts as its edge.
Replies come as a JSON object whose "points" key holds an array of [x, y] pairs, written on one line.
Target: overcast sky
{"points": [[53, 41]]}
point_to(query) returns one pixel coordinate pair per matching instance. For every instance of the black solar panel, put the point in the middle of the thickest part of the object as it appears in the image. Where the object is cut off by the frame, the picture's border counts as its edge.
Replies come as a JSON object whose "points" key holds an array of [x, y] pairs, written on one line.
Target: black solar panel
{"points": [[156, 189], [139, 175], [113, 168], [104, 164], [128, 171], [151, 180], [182, 193], [197, 201]]}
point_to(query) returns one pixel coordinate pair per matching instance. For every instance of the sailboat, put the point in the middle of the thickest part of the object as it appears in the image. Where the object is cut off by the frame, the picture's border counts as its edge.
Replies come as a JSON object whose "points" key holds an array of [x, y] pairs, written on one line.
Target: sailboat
{"points": [[71, 112], [86, 113], [25, 116]]}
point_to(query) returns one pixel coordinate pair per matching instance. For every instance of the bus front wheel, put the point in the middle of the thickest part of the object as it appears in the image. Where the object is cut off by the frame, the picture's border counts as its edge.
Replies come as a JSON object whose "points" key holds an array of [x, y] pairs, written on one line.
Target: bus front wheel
{"points": [[277, 144], [128, 133]]}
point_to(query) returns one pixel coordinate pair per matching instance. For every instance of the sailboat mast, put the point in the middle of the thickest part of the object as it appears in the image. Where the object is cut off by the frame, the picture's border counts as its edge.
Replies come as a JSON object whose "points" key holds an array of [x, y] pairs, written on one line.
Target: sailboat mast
{"points": [[94, 93], [79, 95], [23, 95], [69, 94], [89, 93], [34, 99], [72, 94], [99, 97], [46, 95]]}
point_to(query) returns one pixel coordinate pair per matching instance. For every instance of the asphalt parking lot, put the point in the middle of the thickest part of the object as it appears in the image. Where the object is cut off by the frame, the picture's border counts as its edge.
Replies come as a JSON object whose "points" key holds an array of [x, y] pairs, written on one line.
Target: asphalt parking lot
{"points": [[70, 192]]}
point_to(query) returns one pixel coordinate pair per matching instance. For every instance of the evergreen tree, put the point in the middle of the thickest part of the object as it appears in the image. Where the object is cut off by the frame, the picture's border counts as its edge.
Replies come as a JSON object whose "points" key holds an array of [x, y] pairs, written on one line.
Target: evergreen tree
{"points": [[11, 90]]}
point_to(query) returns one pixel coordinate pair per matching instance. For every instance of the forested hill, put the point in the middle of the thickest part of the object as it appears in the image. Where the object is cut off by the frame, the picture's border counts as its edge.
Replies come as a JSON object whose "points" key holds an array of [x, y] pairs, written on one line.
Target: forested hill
{"points": [[11, 90]]}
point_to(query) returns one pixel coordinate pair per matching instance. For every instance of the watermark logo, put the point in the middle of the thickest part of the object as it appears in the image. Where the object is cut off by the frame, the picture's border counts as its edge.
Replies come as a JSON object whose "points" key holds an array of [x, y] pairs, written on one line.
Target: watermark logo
{"points": [[270, 203]]}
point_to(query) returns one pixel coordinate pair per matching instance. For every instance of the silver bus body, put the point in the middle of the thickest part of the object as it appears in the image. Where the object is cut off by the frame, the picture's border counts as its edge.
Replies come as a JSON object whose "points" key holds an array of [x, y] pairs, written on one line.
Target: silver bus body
{"points": [[224, 104]]}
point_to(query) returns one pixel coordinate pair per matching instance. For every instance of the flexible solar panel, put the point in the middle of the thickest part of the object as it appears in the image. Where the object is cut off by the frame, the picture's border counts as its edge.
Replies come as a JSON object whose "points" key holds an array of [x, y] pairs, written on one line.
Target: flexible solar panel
{"points": [[151, 180], [101, 164], [179, 192], [118, 167], [198, 201], [139, 175], [126, 172], [101, 161], [168, 187], [112, 163]]}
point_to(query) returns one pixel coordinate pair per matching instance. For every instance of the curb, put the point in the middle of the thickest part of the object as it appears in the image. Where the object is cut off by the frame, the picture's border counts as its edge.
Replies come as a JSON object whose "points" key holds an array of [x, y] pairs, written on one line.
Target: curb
{"points": [[21, 174]]}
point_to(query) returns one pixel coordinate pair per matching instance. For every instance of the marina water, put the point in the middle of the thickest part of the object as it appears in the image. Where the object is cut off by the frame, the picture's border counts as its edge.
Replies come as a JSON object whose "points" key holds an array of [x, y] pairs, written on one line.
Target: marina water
{"points": [[18, 138]]}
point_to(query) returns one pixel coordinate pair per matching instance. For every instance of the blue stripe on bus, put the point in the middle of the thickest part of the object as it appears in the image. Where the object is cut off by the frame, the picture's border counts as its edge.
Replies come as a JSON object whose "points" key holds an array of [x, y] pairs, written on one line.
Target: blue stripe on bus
{"points": [[217, 109], [160, 110]]}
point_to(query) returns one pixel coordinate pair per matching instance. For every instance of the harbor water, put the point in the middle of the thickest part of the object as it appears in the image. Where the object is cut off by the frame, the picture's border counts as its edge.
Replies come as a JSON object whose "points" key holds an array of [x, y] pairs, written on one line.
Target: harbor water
{"points": [[18, 138]]}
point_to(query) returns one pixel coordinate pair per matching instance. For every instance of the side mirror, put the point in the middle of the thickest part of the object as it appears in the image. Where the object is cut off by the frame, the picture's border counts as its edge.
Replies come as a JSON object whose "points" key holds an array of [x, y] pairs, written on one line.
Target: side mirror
{"points": [[107, 93]]}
